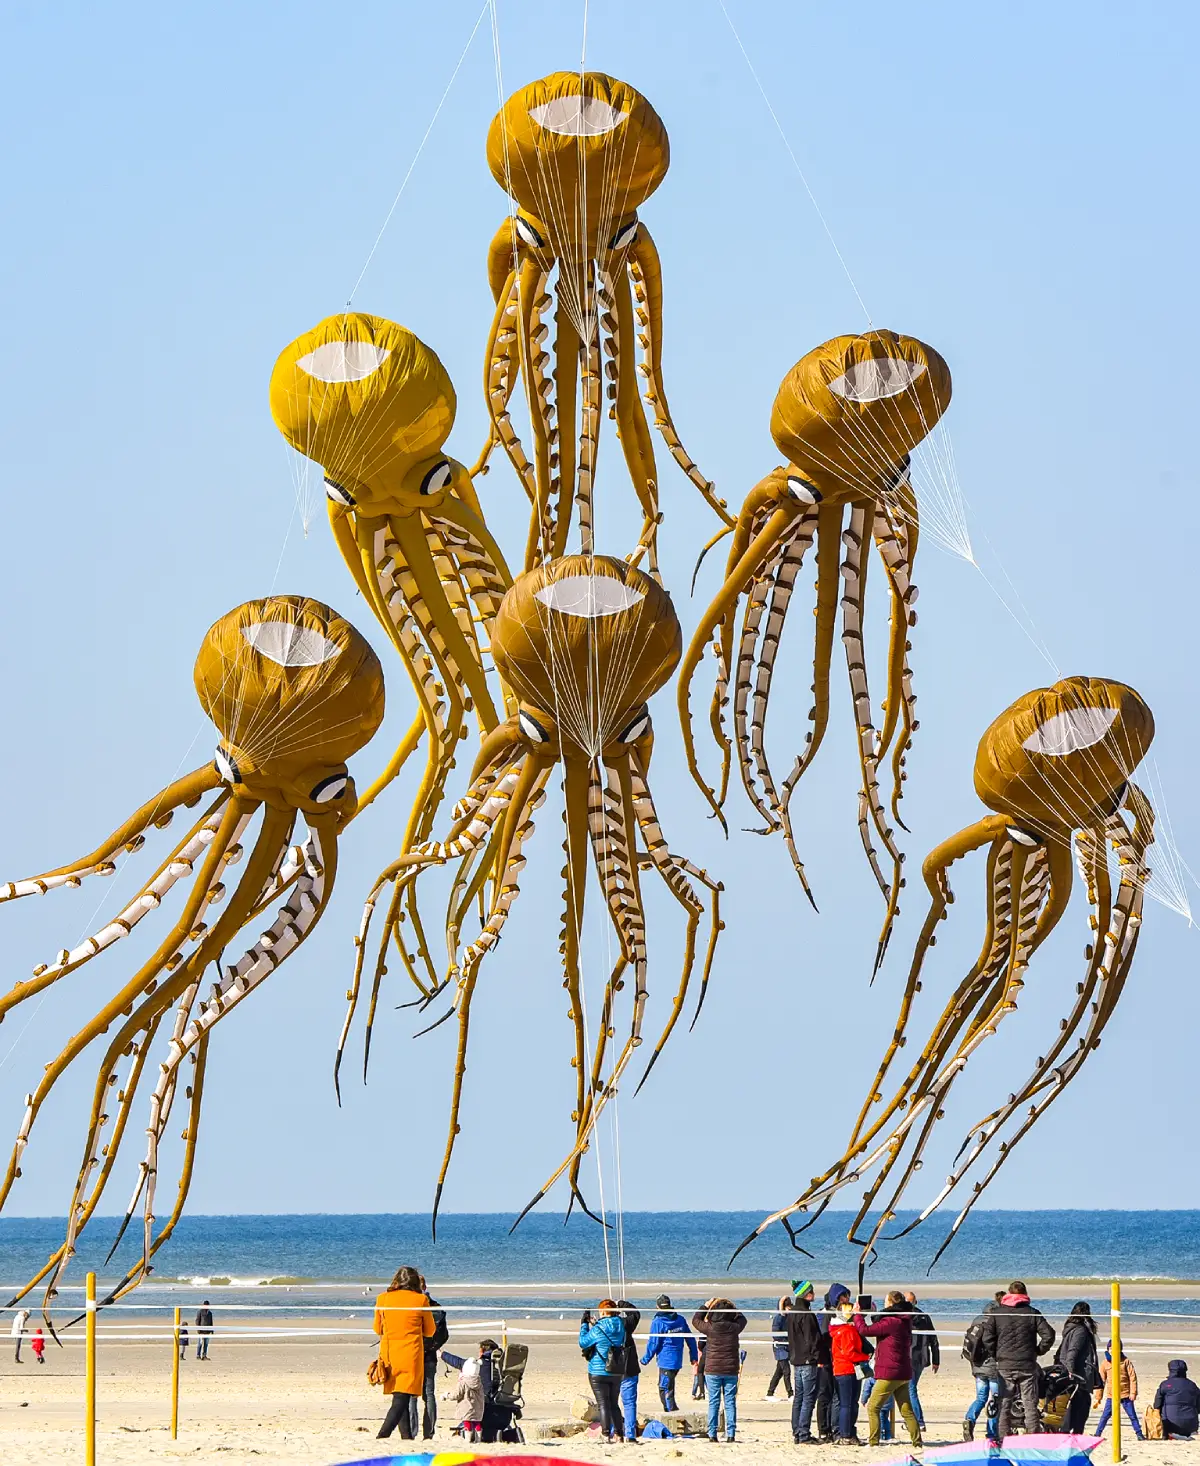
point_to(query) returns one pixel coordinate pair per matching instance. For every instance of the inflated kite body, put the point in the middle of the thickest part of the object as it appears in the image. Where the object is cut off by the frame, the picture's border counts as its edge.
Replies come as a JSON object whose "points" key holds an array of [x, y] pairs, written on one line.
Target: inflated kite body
{"points": [[579, 155], [294, 691], [583, 642], [1056, 770], [373, 405], [846, 419]]}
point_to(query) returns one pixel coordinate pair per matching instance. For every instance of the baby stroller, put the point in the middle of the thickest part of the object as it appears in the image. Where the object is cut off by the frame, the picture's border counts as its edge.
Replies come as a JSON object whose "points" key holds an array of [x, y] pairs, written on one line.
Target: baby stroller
{"points": [[503, 1374], [1054, 1393]]}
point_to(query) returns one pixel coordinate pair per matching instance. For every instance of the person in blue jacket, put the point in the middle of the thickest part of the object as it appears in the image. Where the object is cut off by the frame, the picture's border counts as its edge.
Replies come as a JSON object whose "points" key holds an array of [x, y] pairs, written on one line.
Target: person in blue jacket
{"points": [[602, 1340], [668, 1330], [1179, 1400]]}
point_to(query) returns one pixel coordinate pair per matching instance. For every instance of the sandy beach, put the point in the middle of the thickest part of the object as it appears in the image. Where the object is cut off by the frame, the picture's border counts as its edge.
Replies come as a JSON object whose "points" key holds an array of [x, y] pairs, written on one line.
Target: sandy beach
{"points": [[304, 1399]]}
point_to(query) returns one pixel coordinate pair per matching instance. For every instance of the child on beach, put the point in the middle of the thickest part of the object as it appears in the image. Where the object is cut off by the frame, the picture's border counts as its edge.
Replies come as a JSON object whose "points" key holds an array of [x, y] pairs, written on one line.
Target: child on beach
{"points": [[470, 1395], [1126, 1391], [38, 1345]]}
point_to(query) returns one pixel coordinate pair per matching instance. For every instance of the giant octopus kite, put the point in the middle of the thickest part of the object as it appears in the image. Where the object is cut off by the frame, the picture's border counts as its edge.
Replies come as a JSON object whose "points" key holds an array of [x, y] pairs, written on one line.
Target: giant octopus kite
{"points": [[294, 691], [584, 642], [579, 154], [1056, 770], [373, 405], [846, 419]]}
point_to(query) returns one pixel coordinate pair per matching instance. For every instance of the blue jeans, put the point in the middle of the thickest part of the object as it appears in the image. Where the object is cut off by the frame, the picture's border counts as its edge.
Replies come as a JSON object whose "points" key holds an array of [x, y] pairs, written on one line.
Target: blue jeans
{"points": [[629, 1405], [1127, 1406], [886, 1428], [847, 1416], [718, 1385], [804, 1397], [914, 1397], [985, 1390]]}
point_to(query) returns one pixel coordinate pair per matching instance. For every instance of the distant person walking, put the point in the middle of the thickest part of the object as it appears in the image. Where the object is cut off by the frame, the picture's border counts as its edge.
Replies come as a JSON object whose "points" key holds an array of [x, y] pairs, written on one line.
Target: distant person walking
{"points": [[1127, 1388], [1179, 1400], [668, 1331], [204, 1329], [892, 1331], [38, 1344], [17, 1331], [602, 1340], [630, 1317], [1015, 1336], [988, 1385], [804, 1355], [779, 1348], [433, 1345], [403, 1321], [1079, 1355], [926, 1353], [721, 1324]]}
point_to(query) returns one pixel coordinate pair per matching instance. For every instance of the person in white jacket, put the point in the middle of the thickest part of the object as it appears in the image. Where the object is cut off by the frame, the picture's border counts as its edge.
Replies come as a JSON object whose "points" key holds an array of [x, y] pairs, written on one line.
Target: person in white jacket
{"points": [[17, 1332]]}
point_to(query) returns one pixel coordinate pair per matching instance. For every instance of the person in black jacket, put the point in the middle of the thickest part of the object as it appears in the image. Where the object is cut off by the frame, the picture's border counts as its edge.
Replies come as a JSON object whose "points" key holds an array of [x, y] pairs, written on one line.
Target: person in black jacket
{"points": [[204, 1328], [836, 1293], [926, 1352], [988, 1385], [434, 1343], [1179, 1400], [630, 1317], [1078, 1355], [1014, 1336], [804, 1355]]}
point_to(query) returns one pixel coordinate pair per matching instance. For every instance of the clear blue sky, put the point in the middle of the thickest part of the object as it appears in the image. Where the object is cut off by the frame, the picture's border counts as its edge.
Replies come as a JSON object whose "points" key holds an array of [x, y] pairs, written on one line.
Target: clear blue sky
{"points": [[189, 188]]}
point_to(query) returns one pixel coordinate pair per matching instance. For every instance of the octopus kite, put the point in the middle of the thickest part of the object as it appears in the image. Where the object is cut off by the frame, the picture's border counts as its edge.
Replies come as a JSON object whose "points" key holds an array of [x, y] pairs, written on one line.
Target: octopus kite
{"points": [[294, 691], [846, 419], [1056, 770], [584, 642], [579, 154], [373, 405]]}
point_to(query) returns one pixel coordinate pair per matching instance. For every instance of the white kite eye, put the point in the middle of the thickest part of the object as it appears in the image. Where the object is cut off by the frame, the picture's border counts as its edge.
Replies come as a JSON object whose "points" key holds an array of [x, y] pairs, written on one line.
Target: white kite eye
{"points": [[532, 729], [330, 789], [527, 234], [226, 767], [876, 378], [1070, 731], [636, 729], [577, 116], [1021, 837], [339, 495], [624, 237], [289, 645], [802, 491], [344, 361], [437, 478], [590, 596]]}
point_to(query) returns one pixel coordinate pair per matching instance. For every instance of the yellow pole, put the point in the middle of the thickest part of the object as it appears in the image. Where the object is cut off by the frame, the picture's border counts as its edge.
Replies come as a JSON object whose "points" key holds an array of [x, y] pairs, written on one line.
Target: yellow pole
{"points": [[175, 1380], [90, 1371], [1114, 1372]]}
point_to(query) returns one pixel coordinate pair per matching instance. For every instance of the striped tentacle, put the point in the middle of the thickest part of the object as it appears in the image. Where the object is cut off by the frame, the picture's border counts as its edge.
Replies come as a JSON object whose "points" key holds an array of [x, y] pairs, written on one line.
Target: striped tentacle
{"points": [[590, 390], [625, 406], [645, 269], [499, 381], [900, 704], [533, 303]]}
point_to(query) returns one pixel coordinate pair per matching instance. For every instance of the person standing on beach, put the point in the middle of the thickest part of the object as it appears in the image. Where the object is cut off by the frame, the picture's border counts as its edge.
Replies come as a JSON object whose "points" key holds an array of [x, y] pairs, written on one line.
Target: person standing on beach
{"points": [[602, 1340], [433, 1345], [848, 1354], [699, 1389], [721, 1324], [20, 1319], [630, 1317], [1080, 1357], [779, 1348], [668, 1330], [403, 1321], [204, 1328], [1015, 1335], [988, 1386], [1127, 1388], [804, 1355], [827, 1408], [892, 1331], [926, 1353], [183, 1340], [38, 1344]]}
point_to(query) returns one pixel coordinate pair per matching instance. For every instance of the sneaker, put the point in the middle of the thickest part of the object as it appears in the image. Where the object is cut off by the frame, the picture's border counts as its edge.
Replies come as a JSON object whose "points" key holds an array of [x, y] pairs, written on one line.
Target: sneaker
{"points": [[968, 1430]]}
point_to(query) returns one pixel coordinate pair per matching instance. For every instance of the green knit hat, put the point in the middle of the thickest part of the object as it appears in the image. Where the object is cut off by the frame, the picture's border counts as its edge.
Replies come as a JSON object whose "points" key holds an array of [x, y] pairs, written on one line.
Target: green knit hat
{"points": [[799, 1288]]}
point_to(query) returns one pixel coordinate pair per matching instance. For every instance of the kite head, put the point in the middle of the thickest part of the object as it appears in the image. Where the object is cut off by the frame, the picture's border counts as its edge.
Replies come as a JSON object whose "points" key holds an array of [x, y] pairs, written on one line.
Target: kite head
{"points": [[1059, 758], [373, 405], [849, 413], [294, 691], [580, 154], [584, 642]]}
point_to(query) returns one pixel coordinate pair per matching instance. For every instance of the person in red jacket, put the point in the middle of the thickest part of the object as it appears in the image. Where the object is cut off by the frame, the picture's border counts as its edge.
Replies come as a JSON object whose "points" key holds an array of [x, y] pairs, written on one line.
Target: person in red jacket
{"points": [[38, 1345], [892, 1331], [846, 1345]]}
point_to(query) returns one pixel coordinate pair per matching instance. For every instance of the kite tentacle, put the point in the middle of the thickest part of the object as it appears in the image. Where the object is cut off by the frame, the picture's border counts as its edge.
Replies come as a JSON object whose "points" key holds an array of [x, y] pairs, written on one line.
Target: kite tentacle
{"points": [[900, 696], [531, 331], [575, 848], [499, 379], [633, 431], [590, 398]]}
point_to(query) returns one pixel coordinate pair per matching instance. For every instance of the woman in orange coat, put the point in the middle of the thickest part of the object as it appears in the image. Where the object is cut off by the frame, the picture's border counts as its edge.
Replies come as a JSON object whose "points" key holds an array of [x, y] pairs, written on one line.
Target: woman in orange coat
{"points": [[403, 1320]]}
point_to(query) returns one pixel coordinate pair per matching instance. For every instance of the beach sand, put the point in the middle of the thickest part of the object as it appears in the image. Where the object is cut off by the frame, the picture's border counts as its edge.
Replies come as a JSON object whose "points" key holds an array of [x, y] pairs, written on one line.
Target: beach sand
{"points": [[305, 1400]]}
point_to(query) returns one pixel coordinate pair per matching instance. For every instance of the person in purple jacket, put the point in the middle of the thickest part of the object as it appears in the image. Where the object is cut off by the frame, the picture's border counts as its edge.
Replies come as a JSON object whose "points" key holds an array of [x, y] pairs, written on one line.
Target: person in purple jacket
{"points": [[892, 1331]]}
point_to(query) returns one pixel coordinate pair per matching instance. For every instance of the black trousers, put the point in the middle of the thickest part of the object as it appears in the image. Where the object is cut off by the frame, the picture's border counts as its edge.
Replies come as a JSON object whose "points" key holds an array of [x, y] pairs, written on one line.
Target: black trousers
{"points": [[666, 1388], [825, 1405], [397, 1416], [783, 1371], [607, 1390], [1079, 1407]]}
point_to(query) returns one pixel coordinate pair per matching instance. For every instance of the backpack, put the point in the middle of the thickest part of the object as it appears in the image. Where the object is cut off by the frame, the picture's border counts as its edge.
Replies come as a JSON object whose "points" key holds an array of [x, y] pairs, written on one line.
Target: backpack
{"points": [[972, 1345]]}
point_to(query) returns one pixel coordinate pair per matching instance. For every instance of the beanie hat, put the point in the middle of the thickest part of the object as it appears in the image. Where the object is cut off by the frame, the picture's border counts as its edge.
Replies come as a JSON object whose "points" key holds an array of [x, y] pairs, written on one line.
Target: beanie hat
{"points": [[799, 1288]]}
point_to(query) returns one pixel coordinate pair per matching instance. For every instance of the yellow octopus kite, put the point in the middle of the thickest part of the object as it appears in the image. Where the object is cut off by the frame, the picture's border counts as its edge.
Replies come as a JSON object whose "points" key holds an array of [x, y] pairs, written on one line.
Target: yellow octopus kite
{"points": [[584, 642], [294, 691], [579, 154], [1056, 768], [846, 418]]}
